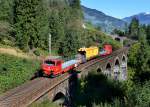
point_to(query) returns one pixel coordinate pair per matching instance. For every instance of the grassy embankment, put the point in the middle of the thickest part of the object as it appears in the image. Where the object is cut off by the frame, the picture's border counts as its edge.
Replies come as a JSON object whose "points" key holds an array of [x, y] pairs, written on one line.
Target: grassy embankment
{"points": [[15, 71], [17, 67]]}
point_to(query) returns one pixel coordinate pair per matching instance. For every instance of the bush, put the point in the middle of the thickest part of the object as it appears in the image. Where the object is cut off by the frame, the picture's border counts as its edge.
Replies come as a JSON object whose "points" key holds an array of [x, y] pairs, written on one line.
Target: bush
{"points": [[98, 89], [15, 71], [139, 96], [98, 38], [37, 52]]}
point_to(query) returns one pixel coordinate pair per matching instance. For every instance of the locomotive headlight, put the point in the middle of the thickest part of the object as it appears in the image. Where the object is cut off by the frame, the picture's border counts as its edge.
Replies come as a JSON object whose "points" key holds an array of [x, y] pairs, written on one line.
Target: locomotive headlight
{"points": [[75, 65]]}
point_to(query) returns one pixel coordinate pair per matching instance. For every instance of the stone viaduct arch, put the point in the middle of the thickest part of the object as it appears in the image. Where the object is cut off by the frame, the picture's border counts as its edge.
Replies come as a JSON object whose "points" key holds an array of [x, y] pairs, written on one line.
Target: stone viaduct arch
{"points": [[118, 38]]}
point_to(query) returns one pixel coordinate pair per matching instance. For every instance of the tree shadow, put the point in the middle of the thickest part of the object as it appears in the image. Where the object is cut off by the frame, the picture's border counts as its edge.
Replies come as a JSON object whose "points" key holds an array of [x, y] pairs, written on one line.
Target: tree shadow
{"points": [[97, 89], [145, 76], [73, 86], [39, 73]]}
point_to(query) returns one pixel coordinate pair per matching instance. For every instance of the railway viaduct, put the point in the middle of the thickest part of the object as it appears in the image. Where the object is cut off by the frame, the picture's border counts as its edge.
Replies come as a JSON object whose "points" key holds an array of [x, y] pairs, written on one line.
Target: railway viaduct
{"points": [[119, 38], [113, 66]]}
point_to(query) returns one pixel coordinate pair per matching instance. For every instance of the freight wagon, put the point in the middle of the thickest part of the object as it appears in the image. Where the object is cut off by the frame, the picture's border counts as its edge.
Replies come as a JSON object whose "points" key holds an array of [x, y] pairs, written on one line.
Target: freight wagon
{"points": [[88, 53]]}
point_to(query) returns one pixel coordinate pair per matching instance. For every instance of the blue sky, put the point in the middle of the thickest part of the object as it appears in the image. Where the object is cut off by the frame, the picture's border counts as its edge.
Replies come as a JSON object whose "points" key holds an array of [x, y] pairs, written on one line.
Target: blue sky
{"points": [[119, 8]]}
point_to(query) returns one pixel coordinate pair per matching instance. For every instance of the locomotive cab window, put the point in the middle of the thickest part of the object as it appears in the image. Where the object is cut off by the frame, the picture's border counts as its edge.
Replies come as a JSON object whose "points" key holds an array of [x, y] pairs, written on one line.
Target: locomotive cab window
{"points": [[50, 63]]}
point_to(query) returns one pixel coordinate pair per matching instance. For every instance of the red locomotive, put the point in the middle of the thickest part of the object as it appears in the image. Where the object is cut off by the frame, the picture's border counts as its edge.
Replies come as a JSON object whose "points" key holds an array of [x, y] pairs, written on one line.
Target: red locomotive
{"points": [[54, 67]]}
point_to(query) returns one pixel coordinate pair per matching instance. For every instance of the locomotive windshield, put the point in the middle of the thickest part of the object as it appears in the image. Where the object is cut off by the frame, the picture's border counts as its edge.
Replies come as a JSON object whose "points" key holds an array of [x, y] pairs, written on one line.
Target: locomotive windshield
{"points": [[50, 63]]}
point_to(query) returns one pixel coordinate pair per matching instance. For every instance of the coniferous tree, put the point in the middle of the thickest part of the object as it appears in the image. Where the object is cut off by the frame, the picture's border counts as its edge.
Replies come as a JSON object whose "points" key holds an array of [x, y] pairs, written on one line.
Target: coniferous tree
{"points": [[76, 4], [139, 57], [71, 43], [64, 25], [30, 23], [56, 28], [42, 22], [126, 29], [148, 34], [6, 10], [118, 32], [6, 19], [134, 29], [143, 55]]}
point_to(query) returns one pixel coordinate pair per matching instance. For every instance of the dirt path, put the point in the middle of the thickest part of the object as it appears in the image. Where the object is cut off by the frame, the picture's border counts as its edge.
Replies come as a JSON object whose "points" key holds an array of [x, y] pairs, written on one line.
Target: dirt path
{"points": [[16, 53]]}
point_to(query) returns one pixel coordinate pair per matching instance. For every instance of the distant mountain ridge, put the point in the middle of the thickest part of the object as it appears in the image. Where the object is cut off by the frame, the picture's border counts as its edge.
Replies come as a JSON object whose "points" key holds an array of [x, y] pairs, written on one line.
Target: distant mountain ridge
{"points": [[144, 18], [98, 18]]}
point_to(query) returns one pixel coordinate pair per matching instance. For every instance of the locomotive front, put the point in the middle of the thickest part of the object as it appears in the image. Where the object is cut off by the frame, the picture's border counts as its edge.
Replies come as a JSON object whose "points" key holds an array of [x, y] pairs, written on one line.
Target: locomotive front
{"points": [[48, 67]]}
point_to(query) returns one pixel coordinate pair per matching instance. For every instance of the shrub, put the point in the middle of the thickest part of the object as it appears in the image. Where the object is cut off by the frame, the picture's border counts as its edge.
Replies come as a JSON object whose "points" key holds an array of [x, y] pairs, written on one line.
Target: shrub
{"points": [[15, 71], [37, 52]]}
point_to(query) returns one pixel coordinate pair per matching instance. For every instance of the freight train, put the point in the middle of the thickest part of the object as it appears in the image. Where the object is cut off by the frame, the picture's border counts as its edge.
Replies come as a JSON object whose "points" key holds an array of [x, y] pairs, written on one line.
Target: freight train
{"points": [[54, 67]]}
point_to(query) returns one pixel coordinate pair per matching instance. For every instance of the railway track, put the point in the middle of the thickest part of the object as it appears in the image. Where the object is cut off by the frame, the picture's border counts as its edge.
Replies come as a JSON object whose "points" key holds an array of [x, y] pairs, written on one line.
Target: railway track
{"points": [[29, 92]]}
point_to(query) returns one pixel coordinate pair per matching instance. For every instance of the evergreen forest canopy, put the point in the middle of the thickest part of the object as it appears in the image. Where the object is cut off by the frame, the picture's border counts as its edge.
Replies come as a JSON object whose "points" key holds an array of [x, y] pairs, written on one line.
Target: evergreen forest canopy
{"points": [[32, 20], [132, 31], [28, 23]]}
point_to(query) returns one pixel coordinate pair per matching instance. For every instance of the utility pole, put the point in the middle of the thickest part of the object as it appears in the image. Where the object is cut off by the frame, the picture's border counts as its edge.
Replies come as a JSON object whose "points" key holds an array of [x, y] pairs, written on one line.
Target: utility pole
{"points": [[50, 44]]}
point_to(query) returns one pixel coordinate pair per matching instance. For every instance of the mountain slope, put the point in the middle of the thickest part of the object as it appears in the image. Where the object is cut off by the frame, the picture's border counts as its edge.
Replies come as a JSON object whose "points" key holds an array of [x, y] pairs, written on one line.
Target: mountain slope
{"points": [[97, 18], [144, 18]]}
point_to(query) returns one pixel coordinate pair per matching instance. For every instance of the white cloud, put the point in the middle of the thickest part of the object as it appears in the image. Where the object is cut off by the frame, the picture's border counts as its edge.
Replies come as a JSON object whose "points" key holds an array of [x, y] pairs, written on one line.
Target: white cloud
{"points": [[147, 13]]}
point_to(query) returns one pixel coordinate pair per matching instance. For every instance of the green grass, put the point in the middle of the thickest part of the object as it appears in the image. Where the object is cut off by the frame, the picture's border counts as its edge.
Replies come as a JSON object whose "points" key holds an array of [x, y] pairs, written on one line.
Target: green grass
{"points": [[15, 71], [5, 46], [46, 53], [98, 38], [90, 27]]}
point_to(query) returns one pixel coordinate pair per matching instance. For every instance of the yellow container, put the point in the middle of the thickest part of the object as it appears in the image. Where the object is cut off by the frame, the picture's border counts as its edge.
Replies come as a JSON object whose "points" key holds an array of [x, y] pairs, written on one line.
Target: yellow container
{"points": [[90, 52]]}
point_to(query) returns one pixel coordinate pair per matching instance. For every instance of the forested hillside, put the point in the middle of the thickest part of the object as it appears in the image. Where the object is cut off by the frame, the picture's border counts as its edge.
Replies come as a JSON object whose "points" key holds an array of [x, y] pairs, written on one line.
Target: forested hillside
{"points": [[105, 22], [31, 22], [27, 25]]}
